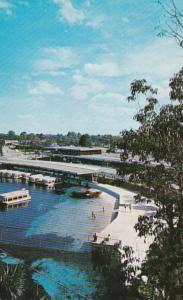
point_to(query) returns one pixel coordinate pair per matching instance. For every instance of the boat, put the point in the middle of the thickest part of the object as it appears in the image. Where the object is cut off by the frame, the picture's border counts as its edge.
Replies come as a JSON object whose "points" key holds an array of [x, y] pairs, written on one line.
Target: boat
{"points": [[26, 175], [94, 193], [3, 172], [48, 181], [16, 174], [85, 193], [36, 178], [15, 197], [79, 192], [8, 174]]}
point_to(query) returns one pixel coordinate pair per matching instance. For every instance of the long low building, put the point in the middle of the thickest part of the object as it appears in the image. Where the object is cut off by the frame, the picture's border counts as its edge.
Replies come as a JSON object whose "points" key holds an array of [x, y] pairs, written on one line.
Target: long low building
{"points": [[58, 167], [75, 150]]}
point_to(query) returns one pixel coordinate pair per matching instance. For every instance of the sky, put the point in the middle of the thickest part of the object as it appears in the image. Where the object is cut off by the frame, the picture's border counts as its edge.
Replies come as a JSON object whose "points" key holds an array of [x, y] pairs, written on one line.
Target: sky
{"points": [[67, 65]]}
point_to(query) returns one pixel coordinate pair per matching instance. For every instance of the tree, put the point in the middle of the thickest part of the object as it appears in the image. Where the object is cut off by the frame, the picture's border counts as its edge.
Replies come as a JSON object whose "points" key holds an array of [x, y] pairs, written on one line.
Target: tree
{"points": [[172, 22], [119, 279], [85, 140], [16, 283], [11, 132], [12, 281], [1, 147], [159, 138], [23, 133]]}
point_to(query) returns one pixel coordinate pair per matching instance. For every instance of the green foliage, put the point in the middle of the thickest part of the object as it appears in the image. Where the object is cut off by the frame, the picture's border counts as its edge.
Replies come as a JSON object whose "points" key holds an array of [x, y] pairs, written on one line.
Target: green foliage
{"points": [[163, 267], [12, 281], [1, 147], [16, 284], [12, 133], [85, 140], [118, 273], [158, 145]]}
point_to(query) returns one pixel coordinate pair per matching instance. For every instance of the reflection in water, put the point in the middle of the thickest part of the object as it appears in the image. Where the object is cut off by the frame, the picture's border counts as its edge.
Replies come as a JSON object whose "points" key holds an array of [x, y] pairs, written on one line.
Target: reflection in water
{"points": [[4, 207]]}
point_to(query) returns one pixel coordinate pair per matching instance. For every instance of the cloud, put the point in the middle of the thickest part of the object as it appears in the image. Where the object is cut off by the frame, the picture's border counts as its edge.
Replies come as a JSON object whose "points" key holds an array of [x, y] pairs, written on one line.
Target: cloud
{"points": [[95, 22], [73, 15], [55, 59], [111, 104], [125, 20], [44, 88], [109, 69], [112, 111], [85, 86], [158, 59], [69, 13], [6, 6]]}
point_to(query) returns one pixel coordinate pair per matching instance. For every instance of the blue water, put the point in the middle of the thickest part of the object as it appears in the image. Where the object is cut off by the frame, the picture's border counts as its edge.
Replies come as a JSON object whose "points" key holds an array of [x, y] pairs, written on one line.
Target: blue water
{"points": [[75, 278], [53, 221], [5, 258], [60, 222], [60, 278]]}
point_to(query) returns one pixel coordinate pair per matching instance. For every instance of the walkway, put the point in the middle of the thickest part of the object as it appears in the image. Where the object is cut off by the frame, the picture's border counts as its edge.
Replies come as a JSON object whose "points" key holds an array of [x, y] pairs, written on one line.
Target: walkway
{"points": [[122, 228]]}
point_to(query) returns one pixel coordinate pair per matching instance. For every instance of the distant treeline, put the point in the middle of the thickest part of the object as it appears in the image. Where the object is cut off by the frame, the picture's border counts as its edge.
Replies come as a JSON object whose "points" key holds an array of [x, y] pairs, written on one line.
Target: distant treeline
{"points": [[71, 137]]}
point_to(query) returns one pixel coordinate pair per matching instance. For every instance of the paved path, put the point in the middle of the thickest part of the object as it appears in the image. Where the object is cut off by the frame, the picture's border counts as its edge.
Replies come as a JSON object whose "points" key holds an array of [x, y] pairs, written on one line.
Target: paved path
{"points": [[122, 228]]}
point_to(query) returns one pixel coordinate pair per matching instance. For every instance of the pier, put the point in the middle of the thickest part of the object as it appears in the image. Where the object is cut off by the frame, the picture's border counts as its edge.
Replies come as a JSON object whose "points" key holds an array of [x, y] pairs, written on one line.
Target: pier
{"points": [[56, 168]]}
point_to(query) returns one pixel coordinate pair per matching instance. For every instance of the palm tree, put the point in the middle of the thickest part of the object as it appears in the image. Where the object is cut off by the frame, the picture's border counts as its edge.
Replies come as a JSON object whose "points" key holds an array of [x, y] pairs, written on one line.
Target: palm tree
{"points": [[12, 281]]}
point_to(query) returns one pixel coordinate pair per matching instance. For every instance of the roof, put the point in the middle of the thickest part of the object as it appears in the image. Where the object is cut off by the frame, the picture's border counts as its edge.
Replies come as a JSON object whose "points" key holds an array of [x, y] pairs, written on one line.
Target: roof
{"points": [[75, 148], [69, 168], [14, 193]]}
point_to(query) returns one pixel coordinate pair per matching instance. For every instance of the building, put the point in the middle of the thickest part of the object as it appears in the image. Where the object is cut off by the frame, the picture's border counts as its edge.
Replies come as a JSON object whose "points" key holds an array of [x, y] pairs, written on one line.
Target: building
{"points": [[74, 150]]}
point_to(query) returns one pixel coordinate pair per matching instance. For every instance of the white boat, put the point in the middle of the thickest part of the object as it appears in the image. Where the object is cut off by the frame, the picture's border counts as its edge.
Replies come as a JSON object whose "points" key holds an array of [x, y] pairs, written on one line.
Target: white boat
{"points": [[8, 174], [16, 174], [26, 176], [3, 172], [15, 197], [36, 178], [48, 181]]}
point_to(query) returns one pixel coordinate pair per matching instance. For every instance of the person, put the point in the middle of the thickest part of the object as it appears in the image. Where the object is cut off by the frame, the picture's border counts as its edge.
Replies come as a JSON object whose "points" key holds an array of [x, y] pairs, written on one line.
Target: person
{"points": [[125, 206], [95, 237], [107, 238], [92, 215], [103, 209]]}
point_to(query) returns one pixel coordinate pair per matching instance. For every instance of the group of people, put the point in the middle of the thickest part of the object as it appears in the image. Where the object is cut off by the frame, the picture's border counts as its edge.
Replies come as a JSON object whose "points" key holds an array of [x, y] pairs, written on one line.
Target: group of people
{"points": [[105, 240], [129, 206], [93, 215]]}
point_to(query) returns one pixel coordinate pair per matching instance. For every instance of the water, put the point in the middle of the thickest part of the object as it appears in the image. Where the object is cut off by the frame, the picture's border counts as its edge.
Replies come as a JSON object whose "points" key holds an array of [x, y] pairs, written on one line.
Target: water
{"points": [[53, 220], [5, 258], [56, 221], [76, 277], [60, 278]]}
